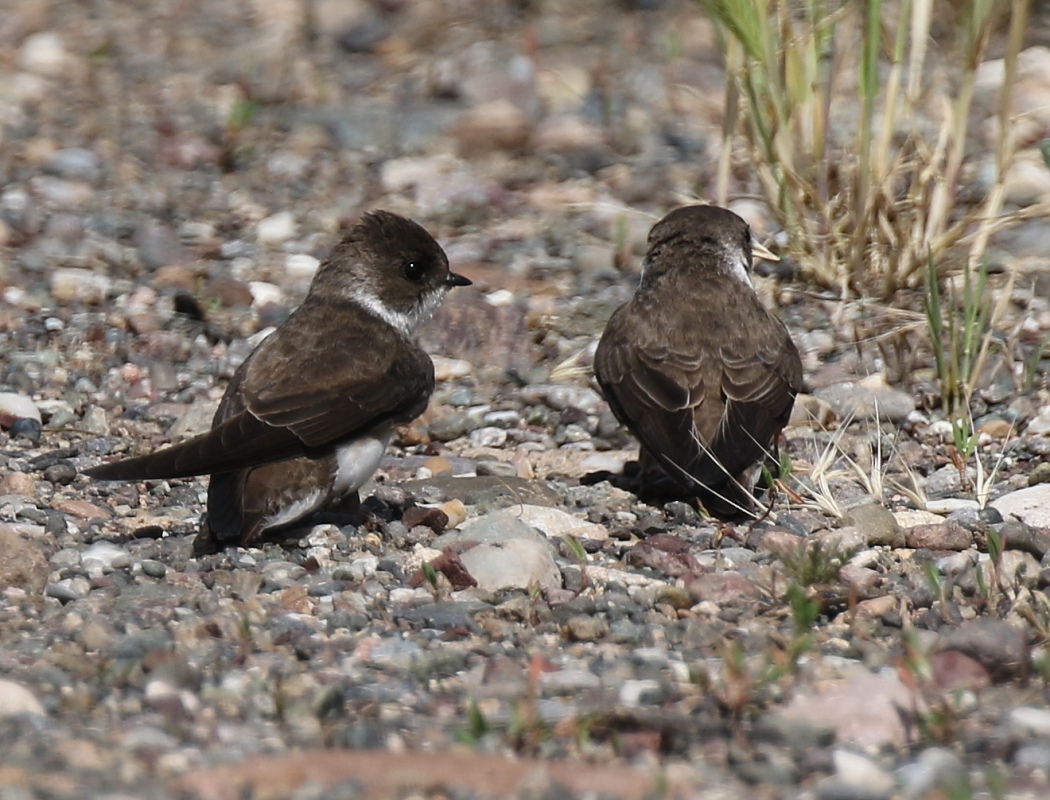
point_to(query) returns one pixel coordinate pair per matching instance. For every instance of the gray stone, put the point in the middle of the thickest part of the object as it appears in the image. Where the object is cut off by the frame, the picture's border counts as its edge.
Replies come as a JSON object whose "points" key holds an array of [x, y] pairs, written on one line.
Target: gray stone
{"points": [[512, 564], [877, 524]]}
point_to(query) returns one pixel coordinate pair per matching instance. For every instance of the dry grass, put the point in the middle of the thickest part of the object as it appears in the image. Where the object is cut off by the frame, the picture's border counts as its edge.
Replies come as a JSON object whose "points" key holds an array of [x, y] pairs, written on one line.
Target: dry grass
{"points": [[856, 142]]}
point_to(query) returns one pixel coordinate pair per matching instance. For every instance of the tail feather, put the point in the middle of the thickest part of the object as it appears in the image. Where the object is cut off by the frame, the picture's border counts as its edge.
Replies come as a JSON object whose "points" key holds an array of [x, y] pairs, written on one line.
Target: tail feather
{"points": [[240, 442]]}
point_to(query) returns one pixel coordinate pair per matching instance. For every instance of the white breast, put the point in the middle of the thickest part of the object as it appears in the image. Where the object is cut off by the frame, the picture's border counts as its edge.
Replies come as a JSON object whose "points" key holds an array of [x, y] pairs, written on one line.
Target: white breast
{"points": [[357, 460]]}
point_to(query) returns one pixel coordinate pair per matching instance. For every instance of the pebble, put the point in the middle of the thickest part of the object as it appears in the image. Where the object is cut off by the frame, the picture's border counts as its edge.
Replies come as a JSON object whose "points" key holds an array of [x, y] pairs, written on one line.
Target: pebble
{"points": [[488, 437], [1030, 505], [561, 398], [60, 474], [276, 228], [555, 522], [16, 700], [95, 421], [152, 568], [944, 536], [44, 54], [70, 285], [75, 162], [635, 693], [583, 628], [877, 524], [867, 399], [104, 556], [449, 426], [18, 483], [450, 369], [68, 589], [491, 126], [512, 564], [936, 768], [300, 267], [28, 429], [502, 468], [1030, 721], [859, 770]]}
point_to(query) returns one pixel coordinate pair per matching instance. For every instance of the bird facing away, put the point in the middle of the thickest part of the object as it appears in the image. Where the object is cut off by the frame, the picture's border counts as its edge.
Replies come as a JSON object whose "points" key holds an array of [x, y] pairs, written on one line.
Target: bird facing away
{"points": [[307, 417], [695, 366]]}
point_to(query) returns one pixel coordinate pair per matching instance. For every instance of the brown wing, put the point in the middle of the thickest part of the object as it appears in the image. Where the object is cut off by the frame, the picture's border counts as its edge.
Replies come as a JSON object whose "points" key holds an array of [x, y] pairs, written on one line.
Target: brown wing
{"points": [[328, 374], [704, 402]]}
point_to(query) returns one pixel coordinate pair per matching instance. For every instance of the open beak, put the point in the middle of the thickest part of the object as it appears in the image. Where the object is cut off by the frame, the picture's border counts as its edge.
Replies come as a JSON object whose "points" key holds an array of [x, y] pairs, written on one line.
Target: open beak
{"points": [[457, 280], [760, 250]]}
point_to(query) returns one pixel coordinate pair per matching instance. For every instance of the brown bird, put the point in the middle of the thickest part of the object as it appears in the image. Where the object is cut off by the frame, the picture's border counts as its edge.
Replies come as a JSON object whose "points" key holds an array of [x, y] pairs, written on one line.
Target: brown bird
{"points": [[695, 366], [307, 417]]}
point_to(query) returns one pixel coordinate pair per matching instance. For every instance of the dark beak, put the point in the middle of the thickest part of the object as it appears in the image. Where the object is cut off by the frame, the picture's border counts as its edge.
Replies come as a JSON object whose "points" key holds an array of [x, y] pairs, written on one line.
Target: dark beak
{"points": [[457, 280]]}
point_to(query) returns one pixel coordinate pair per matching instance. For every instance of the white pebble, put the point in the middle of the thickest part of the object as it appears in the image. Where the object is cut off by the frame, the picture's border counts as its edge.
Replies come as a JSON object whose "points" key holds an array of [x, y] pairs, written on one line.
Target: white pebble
{"points": [[276, 228], [43, 53]]}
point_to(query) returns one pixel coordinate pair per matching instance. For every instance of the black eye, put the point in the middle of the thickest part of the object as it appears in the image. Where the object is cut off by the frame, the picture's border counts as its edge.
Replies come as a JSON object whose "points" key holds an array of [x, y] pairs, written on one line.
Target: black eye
{"points": [[414, 271]]}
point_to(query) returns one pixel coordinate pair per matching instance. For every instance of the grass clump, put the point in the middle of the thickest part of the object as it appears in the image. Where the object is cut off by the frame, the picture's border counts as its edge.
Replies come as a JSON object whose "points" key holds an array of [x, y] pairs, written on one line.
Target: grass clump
{"points": [[857, 150]]}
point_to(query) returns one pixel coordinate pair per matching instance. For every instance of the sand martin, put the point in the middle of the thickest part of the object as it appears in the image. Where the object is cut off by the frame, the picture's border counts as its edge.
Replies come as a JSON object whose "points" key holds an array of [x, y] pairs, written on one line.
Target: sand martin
{"points": [[695, 366], [307, 417]]}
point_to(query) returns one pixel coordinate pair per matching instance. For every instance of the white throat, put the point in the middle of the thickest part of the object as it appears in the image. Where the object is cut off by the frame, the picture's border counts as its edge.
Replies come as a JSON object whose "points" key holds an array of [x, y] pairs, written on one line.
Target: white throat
{"points": [[738, 268], [405, 322]]}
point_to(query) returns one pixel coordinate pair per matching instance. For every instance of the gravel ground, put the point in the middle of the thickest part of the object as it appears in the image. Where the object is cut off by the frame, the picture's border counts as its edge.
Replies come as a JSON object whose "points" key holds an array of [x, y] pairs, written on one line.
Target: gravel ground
{"points": [[495, 625]]}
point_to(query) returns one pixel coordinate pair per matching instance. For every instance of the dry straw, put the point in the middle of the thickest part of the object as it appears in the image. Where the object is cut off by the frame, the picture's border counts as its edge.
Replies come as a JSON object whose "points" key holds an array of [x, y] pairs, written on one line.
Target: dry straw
{"points": [[858, 148]]}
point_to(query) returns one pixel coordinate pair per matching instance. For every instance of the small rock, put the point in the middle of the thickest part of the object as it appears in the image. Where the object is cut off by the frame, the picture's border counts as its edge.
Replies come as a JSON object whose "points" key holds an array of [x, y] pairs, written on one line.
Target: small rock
{"points": [[74, 285], [488, 437], [953, 670], [1018, 536], [863, 710], [449, 427], [555, 522], [95, 421], [1031, 721], [496, 526], [18, 483], [870, 398], [877, 524], [859, 770], [1040, 423], [944, 536], [433, 518], [276, 228], [936, 768], [16, 700], [153, 568], [503, 468], [455, 512], [495, 125], [29, 429], [812, 412], [1030, 505], [21, 564], [450, 369], [44, 54], [67, 590], [561, 397], [512, 564], [74, 162], [61, 473], [106, 556], [196, 419], [585, 628], [998, 646], [300, 267]]}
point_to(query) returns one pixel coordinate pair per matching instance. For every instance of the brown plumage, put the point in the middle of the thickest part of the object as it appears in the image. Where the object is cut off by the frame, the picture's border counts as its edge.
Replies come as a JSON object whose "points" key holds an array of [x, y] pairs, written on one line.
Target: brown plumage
{"points": [[307, 416], [694, 365]]}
